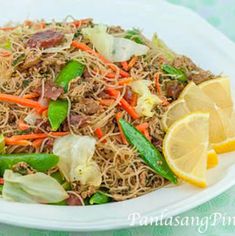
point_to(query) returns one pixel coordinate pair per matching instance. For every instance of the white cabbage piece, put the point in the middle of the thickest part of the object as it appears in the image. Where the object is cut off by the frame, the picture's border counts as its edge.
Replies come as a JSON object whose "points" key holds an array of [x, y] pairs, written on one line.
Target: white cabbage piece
{"points": [[32, 188], [113, 48], [146, 101], [76, 162]]}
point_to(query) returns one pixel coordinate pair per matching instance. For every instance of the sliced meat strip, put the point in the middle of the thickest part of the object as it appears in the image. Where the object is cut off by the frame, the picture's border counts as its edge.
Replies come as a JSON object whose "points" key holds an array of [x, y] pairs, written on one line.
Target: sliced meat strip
{"points": [[52, 91], [90, 107], [78, 120], [45, 39], [173, 89]]}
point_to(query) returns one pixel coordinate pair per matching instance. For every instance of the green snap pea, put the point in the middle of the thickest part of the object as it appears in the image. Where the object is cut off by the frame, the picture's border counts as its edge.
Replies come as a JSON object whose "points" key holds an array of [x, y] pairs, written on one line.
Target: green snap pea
{"points": [[148, 152], [174, 72], [57, 113], [71, 70], [99, 198], [38, 161]]}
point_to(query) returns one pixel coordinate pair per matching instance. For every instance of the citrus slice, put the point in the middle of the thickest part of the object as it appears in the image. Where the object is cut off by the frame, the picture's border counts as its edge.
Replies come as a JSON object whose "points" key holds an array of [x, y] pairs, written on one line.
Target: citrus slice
{"points": [[225, 146], [197, 101], [219, 91], [212, 158], [185, 147], [175, 111]]}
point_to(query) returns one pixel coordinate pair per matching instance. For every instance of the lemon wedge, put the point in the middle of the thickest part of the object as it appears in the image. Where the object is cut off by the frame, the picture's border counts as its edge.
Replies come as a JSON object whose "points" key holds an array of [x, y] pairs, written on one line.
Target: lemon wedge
{"points": [[185, 148], [197, 101], [212, 158], [219, 91], [176, 110]]}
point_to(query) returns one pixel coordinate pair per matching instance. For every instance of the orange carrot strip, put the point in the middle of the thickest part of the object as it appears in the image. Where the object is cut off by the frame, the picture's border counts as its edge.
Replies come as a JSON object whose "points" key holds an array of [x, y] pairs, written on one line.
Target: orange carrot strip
{"points": [[123, 138], [5, 53], [21, 101], [37, 142], [132, 62], [133, 101], [123, 103], [107, 102], [125, 81], [7, 28], [35, 136], [99, 134], [1, 181], [79, 23], [146, 134], [157, 84], [124, 65], [22, 125], [42, 25], [17, 142], [143, 128], [31, 95], [84, 47]]}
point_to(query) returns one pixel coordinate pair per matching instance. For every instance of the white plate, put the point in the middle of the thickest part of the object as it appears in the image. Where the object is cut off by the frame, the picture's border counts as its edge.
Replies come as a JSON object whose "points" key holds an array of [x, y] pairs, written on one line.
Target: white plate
{"points": [[184, 32]]}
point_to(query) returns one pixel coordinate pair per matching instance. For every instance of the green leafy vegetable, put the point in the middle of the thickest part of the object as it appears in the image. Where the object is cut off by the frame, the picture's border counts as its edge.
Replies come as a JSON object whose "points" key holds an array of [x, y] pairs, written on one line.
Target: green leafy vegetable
{"points": [[6, 45], [57, 113], [151, 156], [38, 161], [71, 70], [134, 35], [99, 198], [20, 59], [175, 73]]}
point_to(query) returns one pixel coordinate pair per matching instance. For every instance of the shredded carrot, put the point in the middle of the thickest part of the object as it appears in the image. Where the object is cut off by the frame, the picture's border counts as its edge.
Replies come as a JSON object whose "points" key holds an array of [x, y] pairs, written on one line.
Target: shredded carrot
{"points": [[11, 142], [45, 113], [123, 103], [21, 101], [157, 84], [143, 128], [22, 125], [35, 136], [133, 101], [42, 25], [1, 181], [28, 23], [99, 134], [132, 62], [5, 53], [124, 65], [107, 102], [37, 142], [84, 47], [110, 75], [125, 81], [31, 95], [79, 23], [7, 28], [123, 138]]}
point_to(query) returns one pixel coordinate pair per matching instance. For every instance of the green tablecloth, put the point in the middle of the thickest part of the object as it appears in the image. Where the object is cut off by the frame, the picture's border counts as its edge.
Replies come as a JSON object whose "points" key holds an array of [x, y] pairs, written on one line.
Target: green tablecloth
{"points": [[221, 14]]}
